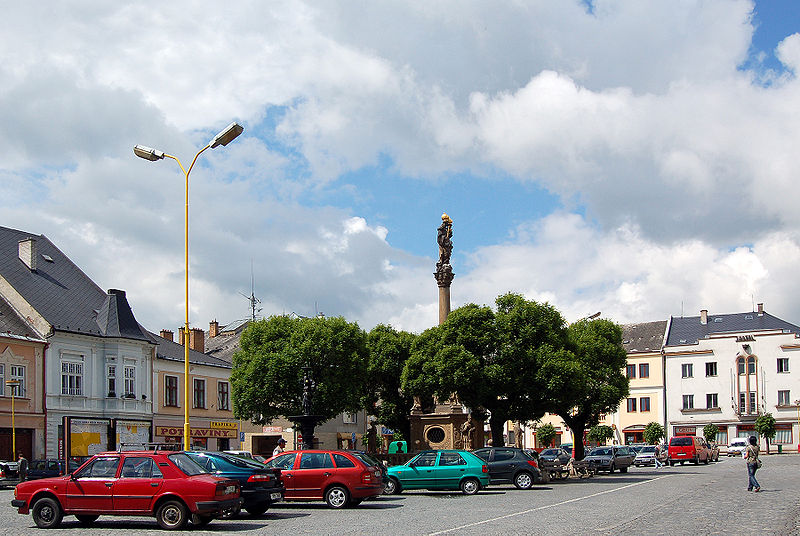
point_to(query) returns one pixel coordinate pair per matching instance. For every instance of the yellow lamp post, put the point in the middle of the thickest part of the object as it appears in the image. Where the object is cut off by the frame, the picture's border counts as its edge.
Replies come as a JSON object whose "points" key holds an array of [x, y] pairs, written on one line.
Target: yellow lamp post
{"points": [[13, 384], [797, 405], [227, 135]]}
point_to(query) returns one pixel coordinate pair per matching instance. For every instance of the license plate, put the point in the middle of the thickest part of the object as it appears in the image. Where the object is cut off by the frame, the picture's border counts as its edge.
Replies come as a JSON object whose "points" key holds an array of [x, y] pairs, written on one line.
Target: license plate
{"points": [[275, 496], [681, 454], [230, 489]]}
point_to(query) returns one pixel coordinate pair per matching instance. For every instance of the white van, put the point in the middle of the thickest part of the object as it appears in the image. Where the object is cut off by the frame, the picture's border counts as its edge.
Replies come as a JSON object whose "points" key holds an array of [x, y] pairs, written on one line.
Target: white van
{"points": [[738, 446]]}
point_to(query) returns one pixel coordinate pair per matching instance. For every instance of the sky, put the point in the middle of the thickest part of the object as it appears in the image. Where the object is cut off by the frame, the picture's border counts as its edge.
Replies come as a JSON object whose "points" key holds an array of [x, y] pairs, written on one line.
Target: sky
{"points": [[638, 159]]}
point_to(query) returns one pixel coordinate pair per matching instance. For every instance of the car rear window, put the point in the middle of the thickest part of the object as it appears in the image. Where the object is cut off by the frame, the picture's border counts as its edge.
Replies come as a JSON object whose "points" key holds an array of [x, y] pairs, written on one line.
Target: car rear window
{"points": [[366, 458], [186, 464], [343, 461], [680, 442]]}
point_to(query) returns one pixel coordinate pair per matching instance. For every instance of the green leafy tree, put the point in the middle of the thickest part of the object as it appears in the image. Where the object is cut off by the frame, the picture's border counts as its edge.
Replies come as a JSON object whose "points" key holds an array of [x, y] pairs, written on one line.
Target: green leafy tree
{"points": [[489, 359], [765, 426], [586, 380], [600, 434], [389, 350], [545, 434], [653, 433], [267, 375], [710, 432]]}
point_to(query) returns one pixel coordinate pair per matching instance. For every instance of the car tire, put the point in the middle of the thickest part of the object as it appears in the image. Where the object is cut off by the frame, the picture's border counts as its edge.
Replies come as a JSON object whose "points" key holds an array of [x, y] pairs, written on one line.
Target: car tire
{"points": [[47, 513], [172, 515], [523, 480], [86, 519], [470, 486], [257, 509], [696, 460], [201, 521], [392, 487], [337, 497]]}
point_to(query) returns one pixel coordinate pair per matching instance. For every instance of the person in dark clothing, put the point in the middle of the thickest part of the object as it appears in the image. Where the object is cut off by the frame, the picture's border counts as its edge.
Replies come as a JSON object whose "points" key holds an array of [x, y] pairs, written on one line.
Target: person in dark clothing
{"points": [[23, 467]]}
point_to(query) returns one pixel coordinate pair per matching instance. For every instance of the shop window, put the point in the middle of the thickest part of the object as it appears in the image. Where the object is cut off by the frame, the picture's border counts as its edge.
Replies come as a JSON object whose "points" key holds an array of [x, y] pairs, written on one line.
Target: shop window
{"points": [[783, 434]]}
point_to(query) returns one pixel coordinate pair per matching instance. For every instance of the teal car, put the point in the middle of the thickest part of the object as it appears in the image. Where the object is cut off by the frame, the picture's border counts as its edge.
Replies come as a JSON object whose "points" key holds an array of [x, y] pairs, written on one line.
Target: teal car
{"points": [[439, 470]]}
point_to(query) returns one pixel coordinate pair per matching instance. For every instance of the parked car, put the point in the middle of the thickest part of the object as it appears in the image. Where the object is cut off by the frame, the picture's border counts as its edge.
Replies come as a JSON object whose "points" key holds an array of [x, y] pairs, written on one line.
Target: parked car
{"points": [[554, 454], [737, 446], [440, 470], [339, 477], [9, 473], [261, 486], [507, 464], [611, 458], [647, 455], [50, 467], [169, 486], [240, 453], [369, 459], [688, 448]]}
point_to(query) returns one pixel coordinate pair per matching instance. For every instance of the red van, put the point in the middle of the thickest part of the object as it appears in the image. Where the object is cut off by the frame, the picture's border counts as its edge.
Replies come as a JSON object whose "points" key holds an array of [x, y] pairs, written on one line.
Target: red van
{"points": [[688, 448]]}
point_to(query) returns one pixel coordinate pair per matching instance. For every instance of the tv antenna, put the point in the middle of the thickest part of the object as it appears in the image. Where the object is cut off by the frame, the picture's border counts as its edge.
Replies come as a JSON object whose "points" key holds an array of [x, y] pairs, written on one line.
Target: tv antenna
{"points": [[252, 297]]}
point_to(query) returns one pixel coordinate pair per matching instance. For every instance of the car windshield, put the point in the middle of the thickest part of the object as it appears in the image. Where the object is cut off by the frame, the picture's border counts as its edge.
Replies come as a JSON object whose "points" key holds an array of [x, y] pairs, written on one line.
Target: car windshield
{"points": [[600, 452], [186, 464], [645, 450]]}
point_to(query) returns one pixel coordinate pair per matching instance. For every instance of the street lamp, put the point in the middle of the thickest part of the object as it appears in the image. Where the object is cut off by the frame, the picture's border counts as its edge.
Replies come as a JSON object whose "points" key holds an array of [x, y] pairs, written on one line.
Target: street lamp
{"points": [[13, 384], [227, 135]]}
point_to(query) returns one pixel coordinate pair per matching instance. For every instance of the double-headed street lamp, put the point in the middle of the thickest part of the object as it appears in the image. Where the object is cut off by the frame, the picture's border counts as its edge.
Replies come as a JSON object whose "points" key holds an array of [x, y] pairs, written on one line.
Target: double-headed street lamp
{"points": [[148, 153], [13, 384]]}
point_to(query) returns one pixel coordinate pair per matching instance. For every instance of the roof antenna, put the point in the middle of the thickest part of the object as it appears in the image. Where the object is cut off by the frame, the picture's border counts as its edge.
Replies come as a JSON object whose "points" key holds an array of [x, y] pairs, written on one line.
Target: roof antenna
{"points": [[753, 299], [252, 297]]}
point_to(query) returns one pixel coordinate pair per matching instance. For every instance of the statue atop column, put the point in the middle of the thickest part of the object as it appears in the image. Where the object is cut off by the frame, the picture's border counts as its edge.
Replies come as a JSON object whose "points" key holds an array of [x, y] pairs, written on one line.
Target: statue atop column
{"points": [[444, 272]]}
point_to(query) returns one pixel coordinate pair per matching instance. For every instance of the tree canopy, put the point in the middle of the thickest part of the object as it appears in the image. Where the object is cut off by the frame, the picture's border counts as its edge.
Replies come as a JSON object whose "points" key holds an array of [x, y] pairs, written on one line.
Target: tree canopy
{"points": [[546, 433], [267, 376], [765, 426], [653, 433]]}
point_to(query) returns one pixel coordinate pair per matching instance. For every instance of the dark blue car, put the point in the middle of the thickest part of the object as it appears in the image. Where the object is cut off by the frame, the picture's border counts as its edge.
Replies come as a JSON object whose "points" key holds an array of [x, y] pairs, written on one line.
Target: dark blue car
{"points": [[261, 485], [50, 467]]}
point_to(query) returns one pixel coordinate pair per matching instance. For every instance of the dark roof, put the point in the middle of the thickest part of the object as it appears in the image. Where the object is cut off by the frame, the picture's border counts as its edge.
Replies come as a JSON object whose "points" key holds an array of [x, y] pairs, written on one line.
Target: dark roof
{"points": [[644, 337], [224, 345], [689, 330], [11, 324], [59, 291], [172, 351]]}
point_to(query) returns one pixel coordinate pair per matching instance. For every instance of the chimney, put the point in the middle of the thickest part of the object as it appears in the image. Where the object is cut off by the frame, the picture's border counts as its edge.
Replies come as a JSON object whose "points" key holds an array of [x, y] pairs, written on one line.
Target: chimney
{"points": [[704, 316], [27, 252], [167, 334], [197, 340], [213, 329], [180, 336], [760, 309]]}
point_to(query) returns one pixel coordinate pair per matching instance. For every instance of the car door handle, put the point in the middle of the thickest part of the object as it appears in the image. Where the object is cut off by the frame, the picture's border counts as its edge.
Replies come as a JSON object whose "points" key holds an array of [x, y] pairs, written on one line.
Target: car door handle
{"points": [[153, 484], [108, 484], [462, 470], [287, 475], [326, 474]]}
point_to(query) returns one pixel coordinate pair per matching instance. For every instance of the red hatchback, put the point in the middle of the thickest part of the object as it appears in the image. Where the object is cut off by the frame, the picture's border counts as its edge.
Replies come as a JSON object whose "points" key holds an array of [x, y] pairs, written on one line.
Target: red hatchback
{"points": [[338, 477], [167, 485]]}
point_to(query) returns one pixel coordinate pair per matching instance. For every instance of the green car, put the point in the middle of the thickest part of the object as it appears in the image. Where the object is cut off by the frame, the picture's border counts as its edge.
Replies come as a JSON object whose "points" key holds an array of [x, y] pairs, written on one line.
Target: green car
{"points": [[439, 470]]}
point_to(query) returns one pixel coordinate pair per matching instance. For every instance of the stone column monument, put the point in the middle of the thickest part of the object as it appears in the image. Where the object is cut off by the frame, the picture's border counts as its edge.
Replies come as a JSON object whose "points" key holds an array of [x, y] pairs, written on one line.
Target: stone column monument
{"points": [[444, 272]]}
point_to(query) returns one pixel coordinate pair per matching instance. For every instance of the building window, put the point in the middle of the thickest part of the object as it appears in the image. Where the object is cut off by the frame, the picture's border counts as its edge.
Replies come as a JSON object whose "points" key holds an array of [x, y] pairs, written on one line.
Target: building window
{"points": [[644, 403], [783, 434], [348, 418], [711, 369], [688, 401], [130, 382], [783, 398], [722, 436], [783, 364], [631, 405], [2, 379], [111, 379], [644, 370], [751, 365], [630, 371], [199, 393], [712, 400], [171, 391], [18, 374], [223, 396], [71, 377], [742, 402], [753, 406], [740, 366], [686, 370]]}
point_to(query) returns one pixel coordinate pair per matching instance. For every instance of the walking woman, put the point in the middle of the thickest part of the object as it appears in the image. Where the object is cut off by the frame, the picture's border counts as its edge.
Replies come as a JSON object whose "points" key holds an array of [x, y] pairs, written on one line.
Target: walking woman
{"points": [[753, 463]]}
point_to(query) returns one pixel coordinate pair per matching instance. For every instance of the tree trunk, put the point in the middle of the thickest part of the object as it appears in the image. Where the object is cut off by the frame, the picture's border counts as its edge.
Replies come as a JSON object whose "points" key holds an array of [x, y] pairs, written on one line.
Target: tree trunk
{"points": [[767, 444], [496, 423], [577, 428]]}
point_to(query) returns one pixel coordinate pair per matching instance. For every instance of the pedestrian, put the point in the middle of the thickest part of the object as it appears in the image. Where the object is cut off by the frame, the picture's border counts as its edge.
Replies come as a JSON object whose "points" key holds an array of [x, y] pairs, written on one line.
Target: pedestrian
{"points": [[22, 467], [657, 457], [279, 447], [753, 464]]}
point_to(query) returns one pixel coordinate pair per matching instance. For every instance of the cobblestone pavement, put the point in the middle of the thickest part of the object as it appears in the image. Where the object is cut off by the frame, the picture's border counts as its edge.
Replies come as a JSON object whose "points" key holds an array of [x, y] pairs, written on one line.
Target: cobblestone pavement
{"points": [[705, 499]]}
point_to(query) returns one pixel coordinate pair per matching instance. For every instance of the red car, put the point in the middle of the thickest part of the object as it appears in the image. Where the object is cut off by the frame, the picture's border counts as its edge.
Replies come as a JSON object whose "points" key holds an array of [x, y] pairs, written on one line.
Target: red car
{"points": [[167, 485], [338, 477]]}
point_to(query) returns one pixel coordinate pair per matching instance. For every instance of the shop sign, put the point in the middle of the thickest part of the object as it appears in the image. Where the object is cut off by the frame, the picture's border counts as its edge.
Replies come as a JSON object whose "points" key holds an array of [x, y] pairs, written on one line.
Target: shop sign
{"points": [[685, 430], [271, 429], [223, 425], [177, 431]]}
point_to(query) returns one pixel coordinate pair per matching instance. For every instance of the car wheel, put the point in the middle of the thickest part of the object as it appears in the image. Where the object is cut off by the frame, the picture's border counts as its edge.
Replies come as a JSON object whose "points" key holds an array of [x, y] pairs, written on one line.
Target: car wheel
{"points": [[257, 509], [696, 460], [86, 519], [706, 460], [470, 486], [171, 515], [392, 487], [47, 513], [523, 480], [201, 521], [337, 497]]}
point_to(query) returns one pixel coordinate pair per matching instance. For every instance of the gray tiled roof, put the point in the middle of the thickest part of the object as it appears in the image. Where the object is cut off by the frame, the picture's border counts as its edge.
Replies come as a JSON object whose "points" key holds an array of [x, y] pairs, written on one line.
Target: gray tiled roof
{"points": [[59, 291], [224, 345], [689, 330], [172, 351], [14, 325], [644, 337]]}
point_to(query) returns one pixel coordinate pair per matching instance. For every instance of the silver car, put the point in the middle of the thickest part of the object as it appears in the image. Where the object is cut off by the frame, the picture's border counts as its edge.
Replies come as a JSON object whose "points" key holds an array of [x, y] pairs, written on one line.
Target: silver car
{"points": [[647, 456]]}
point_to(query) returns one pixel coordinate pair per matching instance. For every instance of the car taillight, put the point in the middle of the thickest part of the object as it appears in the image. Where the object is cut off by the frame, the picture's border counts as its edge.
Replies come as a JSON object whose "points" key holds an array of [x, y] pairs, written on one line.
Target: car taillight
{"points": [[366, 477], [259, 478], [484, 468], [2, 473], [226, 488], [533, 463]]}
